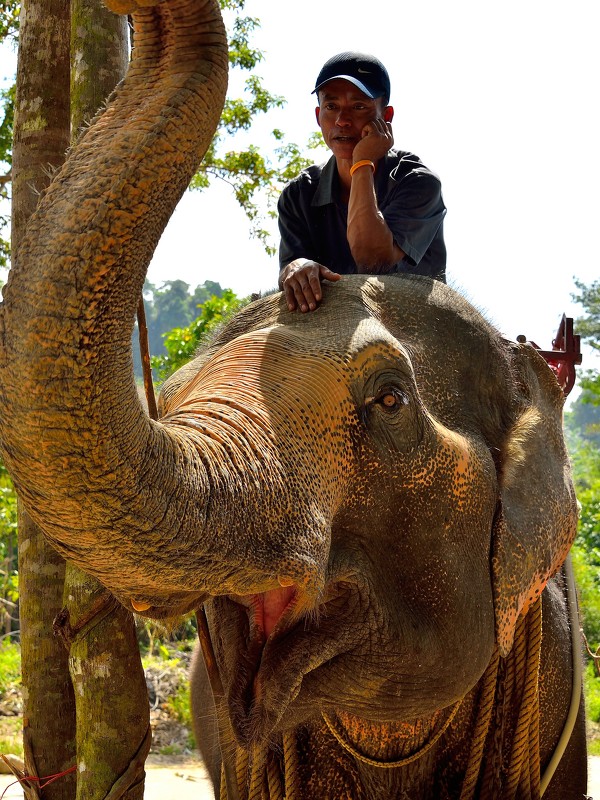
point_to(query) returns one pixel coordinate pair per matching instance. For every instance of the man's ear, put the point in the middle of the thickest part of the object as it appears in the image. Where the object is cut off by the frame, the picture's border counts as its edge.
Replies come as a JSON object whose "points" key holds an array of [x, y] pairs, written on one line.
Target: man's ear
{"points": [[317, 112], [388, 113]]}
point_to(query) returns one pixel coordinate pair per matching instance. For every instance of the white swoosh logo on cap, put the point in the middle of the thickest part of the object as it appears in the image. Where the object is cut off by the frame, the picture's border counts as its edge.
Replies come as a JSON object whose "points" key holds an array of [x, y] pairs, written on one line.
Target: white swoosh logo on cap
{"points": [[364, 71]]}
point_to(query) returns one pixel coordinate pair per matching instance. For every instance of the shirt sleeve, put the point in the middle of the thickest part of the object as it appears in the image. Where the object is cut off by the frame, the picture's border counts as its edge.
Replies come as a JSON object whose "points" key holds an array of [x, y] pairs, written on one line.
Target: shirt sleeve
{"points": [[413, 209], [294, 228]]}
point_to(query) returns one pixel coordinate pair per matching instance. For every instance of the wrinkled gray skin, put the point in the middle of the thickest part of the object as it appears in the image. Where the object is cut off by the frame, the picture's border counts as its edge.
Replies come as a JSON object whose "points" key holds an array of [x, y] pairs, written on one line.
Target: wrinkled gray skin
{"points": [[367, 497], [416, 578]]}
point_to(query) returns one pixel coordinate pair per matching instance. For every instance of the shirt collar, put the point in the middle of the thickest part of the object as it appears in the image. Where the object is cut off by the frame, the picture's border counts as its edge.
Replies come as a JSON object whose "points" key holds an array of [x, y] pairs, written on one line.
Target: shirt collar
{"points": [[328, 189], [328, 181]]}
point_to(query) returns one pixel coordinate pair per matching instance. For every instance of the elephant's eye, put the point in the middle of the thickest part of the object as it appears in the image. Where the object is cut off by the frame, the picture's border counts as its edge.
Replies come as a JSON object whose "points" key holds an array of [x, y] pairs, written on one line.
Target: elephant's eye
{"points": [[389, 399]]}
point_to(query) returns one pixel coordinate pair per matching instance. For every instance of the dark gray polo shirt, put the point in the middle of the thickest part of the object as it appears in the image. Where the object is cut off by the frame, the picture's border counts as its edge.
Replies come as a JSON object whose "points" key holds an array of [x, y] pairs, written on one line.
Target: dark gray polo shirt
{"points": [[313, 221]]}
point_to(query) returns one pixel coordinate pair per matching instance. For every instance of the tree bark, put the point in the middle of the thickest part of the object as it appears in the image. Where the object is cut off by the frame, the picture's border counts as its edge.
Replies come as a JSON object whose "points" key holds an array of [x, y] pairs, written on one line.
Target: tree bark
{"points": [[99, 57], [41, 138], [48, 701], [42, 116], [113, 719]]}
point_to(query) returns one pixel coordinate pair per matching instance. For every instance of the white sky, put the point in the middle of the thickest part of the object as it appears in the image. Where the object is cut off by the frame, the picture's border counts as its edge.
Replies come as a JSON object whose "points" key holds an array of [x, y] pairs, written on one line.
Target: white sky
{"points": [[500, 99]]}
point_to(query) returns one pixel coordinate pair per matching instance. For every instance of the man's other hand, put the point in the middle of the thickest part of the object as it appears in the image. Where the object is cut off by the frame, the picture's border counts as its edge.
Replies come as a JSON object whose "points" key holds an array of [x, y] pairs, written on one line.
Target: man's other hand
{"points": [[301, 283]]}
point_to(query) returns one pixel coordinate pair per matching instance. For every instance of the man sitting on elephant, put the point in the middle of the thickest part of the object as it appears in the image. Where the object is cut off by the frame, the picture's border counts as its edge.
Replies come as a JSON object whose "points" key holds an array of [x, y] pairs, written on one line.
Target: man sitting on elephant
{"points": [[369, 209]]}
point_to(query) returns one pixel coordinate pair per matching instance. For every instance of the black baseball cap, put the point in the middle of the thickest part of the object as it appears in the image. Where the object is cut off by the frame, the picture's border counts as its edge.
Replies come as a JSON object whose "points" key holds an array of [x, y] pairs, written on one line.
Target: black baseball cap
{"points": [[363, 70]]}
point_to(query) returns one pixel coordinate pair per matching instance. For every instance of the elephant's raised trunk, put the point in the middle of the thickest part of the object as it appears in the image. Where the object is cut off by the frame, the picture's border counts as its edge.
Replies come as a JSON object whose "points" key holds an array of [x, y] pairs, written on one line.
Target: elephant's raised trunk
{"points": [[92, 469]]}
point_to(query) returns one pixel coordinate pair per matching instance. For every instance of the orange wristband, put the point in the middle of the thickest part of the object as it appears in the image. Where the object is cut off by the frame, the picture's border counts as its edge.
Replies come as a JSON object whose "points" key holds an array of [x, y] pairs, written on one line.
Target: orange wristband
{"points": [[358, 164]]}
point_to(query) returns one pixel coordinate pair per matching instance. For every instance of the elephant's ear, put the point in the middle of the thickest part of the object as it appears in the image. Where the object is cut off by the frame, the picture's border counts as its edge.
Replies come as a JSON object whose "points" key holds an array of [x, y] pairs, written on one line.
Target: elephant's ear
{"points": [[537, 518]]}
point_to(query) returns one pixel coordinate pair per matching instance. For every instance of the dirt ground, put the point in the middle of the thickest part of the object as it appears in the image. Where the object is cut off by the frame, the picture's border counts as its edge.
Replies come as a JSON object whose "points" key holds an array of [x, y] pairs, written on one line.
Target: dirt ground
{"points": [[169, 778]]}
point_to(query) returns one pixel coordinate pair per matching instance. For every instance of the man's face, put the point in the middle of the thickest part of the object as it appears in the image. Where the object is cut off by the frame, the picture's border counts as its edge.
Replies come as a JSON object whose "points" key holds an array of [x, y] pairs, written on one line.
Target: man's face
{"points": [[342, 114]]}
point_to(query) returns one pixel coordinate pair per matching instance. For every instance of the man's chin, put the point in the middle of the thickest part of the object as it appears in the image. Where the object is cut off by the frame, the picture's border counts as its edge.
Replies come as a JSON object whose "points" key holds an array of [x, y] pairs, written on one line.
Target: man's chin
{"points": [[342, 150]]}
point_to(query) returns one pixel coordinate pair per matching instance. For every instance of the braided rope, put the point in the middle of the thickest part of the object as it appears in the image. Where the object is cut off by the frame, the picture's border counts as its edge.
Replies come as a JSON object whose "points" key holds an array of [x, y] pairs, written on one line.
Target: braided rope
{"points": [[517, 684], [528, 676], [290, 766], [258, 771], [274, 779], [534, 751], [484, 715], [241, 771], [223, 785]]}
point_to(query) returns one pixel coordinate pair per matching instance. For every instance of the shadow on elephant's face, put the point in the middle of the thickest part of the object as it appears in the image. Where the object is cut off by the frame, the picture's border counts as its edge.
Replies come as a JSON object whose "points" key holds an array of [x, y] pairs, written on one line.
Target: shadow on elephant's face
{"points": [[387, 510], [362, 463]]}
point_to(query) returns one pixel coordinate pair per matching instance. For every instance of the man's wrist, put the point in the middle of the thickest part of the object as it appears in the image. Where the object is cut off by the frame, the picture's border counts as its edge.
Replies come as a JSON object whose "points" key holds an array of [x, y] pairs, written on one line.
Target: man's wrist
{"points": [[364, 162]]}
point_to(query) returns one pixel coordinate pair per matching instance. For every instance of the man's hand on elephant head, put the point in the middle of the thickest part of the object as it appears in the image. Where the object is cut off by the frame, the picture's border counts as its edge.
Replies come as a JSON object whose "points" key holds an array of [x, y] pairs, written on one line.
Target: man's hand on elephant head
{"points": [[301, 283]]}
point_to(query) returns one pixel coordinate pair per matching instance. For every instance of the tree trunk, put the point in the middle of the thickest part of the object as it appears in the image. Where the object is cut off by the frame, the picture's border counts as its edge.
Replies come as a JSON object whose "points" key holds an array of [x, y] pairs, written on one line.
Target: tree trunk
{"points": [[41, 137], [113, 719], [48, 702], [113, 724], [99, 57]]}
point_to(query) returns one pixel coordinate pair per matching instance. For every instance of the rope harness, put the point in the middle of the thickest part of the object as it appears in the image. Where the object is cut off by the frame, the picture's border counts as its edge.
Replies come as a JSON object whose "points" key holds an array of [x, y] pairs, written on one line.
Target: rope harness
{"points": [[504, 756]]}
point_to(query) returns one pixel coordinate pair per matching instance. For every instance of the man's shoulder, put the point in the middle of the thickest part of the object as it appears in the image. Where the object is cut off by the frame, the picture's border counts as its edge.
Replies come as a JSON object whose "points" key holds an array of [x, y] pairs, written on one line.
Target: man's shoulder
{"points": [[308, 176], [402, 163]]}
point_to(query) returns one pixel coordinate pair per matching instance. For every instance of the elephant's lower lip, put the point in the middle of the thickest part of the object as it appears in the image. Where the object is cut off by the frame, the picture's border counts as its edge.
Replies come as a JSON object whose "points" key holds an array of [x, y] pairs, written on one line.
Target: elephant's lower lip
{"points": [[272, 674], [249, 716], [271, 615]]}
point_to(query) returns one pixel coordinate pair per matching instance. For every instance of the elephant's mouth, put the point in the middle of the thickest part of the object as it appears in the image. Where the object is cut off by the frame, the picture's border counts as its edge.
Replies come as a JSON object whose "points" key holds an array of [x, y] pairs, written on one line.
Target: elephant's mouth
{"points": [[276, 640]]}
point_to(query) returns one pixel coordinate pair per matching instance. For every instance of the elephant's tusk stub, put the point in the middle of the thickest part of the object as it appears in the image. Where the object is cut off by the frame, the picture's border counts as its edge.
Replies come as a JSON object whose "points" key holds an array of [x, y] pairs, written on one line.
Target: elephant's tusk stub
{"points": [[138, 605]]}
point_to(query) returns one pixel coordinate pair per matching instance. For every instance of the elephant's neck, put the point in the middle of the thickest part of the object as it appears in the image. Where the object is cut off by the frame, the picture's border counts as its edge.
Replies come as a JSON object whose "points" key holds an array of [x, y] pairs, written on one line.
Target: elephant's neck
{"points": [[389, 744], [411, 758]]}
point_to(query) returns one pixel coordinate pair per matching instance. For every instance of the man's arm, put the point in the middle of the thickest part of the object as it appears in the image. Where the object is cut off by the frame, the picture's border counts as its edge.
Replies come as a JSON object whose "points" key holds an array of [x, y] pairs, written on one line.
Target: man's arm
{"points": [[300, 276], [371, 240]]}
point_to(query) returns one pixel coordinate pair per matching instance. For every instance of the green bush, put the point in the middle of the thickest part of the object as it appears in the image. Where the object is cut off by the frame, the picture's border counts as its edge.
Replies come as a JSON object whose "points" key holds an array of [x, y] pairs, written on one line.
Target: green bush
{"points": [[181, 344], [11, 736], [592, 693], [10, 665], [179, 705]]}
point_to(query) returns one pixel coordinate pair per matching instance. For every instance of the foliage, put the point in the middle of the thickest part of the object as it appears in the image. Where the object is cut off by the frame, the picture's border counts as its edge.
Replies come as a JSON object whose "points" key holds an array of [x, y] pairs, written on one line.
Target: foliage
{"points": [[588, 327], [585, 460], [168, 306], [7, 98], [157, 641], [9, 26], [181, 344], [9, 582], [588, 587], [592, 692], [179, 705], [7, 101], [10, 665], [582, 425], [255, 179], [11, 735], [9, 19]]}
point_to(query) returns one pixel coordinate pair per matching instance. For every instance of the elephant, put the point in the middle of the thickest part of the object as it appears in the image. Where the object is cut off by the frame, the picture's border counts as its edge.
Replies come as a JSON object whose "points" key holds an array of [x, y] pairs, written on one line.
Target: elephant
{"points": [[368, 506]]}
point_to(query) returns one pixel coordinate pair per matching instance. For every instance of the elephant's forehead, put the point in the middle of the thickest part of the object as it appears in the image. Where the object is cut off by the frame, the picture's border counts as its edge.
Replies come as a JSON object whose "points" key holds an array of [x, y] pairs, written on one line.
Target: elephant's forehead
{"points": [[310, 343], [350, 344], [258, 362]]}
